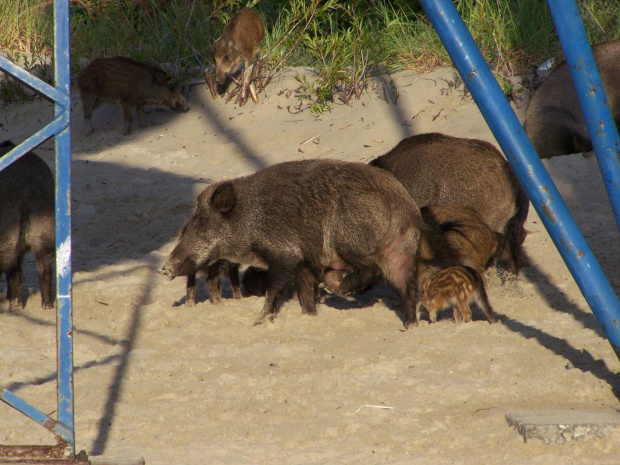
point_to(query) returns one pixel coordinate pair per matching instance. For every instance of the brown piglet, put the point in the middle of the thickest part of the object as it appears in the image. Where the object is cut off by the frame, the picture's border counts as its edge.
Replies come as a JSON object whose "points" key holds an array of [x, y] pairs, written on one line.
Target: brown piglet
{"points": [[237, 48], [457, 287], [128, 83]]}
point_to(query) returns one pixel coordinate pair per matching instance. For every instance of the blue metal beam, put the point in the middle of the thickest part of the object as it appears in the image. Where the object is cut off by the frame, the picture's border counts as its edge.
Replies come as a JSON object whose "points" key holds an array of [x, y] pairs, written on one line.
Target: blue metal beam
{"points": [[33, 141], [31, 81], [592, 98], [64, 320], [31, 412], [61, 129], [527, 165]]}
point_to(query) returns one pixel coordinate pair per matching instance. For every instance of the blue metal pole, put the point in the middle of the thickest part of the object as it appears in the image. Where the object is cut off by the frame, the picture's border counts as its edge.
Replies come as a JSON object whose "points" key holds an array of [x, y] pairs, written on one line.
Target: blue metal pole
{"points": [[64, 319], [594, 103], [527, 166]]}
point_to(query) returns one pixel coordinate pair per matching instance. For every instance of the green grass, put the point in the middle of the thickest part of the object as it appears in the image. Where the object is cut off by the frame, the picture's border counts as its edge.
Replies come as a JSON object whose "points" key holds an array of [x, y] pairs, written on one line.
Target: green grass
{"points": [[345, 42]]}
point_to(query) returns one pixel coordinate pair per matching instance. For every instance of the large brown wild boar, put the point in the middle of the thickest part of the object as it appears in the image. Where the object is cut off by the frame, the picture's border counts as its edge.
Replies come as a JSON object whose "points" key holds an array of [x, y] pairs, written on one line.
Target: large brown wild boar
{"points": [[27, 223], [442, 170], [128, 83], [298, 218], [554, 121], [237, 48]]}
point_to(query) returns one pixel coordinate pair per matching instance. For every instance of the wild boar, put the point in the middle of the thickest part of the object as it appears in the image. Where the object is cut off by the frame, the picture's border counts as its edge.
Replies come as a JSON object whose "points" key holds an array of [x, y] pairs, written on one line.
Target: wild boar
{"points": [[237, 49], [452, 235], [298, 218], [457, 287], [128, 83], [554, 121], [438, 169], [27, 223]]}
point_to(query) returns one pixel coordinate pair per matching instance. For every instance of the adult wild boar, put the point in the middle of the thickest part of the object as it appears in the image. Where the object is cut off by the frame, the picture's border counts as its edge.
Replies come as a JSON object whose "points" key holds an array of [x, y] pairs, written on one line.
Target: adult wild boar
{"points": [[296, 219], [438, 169], [554, 121], [26, 223], [454, 235]]}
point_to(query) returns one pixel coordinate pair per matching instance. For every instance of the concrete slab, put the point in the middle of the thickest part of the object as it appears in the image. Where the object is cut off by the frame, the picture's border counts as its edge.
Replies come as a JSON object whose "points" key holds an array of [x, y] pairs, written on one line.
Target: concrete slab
{"points": [[563, 425]]}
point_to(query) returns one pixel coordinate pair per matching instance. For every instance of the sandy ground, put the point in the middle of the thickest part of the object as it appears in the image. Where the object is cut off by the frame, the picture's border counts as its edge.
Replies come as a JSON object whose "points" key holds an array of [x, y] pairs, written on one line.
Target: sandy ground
{"points": [[179, 385]]}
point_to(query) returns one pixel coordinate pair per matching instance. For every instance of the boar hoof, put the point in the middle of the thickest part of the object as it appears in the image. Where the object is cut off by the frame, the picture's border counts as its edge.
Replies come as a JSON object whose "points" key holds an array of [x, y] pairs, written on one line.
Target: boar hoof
{"points": [[189, 303]]}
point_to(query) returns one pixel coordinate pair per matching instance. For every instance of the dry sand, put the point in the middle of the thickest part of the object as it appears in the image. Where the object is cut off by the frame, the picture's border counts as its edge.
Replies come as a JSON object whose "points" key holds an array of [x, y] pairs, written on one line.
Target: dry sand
{"points": [[201, 385]]}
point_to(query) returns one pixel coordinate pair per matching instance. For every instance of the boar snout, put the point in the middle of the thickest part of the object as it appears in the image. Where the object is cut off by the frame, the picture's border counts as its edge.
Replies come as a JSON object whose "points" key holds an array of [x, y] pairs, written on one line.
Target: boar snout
{"points": [[167, 273]]}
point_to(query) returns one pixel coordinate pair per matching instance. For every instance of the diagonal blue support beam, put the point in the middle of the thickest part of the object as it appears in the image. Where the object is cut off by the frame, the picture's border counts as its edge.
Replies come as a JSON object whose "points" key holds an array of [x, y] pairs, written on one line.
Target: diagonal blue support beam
{"points": [[33, 141], [34, 414], [592, 98], [31, 81], [526, 164]]}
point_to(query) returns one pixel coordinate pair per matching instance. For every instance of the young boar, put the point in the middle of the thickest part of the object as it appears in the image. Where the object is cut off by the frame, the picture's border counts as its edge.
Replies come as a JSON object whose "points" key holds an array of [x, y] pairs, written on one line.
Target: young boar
{"points": [[27, 223], [454, 235], [457, 287], [335, 214], [237, 48], [214, 273], [128, 83], [554, 121], [442, 170]]}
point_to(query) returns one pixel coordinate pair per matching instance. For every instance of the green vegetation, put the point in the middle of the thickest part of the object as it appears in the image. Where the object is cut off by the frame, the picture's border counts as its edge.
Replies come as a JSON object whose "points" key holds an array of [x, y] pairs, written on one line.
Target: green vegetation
{"points": [[345, 42]]}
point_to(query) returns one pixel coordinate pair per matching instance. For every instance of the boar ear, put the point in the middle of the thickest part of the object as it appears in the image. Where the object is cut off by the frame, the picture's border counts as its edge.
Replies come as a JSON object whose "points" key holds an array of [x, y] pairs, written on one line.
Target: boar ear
{"points": [[224, 198]]}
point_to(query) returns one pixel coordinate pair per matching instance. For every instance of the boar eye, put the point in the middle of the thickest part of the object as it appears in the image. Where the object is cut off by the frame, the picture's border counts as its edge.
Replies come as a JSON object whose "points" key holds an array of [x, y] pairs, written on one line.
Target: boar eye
{"points": [[201, 221]]}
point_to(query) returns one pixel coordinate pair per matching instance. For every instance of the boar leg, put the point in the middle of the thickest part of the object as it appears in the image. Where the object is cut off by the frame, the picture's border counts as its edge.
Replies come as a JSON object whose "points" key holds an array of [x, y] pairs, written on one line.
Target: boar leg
{"points": [[307, 291], [140, 114], [44, 268], [14, 287], [128, 116], [409, 295], [277, 279], [456, 313], [418, 310], [245, 84], [464, 310], [89, 103], [233, 275], [214, 283], [190, 300]]}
